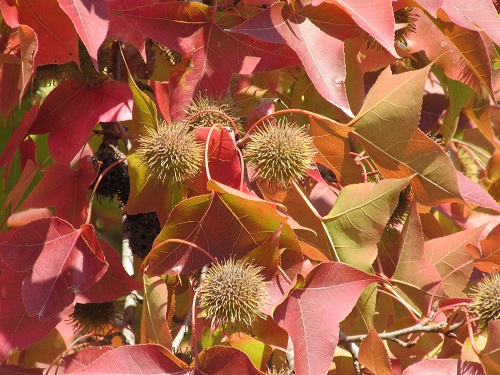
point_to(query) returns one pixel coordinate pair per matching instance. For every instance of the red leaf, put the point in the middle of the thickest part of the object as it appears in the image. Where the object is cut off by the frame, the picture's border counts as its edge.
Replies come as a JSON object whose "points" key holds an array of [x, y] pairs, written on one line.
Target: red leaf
{"points": [[83, 358], [63, 261], [90, 18], [115, 283], [10, 13], [222, 360], [445, 366], [473, 193], [17, 328], [374, 16], [316, 34], [224, 163], [69, 113], [490, 355], [137, 359], [122, 30], [66, 189], [189, 29], [246, 220], [57, 38], [313, 310]]}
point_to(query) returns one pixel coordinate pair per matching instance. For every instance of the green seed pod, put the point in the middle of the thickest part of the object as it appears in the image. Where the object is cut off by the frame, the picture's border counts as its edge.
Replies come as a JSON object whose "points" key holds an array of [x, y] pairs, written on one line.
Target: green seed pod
{"points": [[233, 294], [226, 106], [486, 300], [281, 153], [171, 154]]}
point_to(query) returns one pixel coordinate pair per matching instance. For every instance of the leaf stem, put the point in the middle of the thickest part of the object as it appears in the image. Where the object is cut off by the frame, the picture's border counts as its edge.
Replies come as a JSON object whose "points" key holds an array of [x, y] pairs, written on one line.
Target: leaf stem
{"points": [[98, 181], [207, 169], [190, 244], [429, 307]]}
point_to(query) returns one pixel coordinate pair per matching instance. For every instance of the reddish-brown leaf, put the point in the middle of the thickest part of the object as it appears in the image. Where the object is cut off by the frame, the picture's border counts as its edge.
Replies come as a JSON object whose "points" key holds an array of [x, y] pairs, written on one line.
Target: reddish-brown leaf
{"points": [[444, 366], [418, 286], [17, 192], [188, 28], [17, 328], [474, 15], [332, 141], [90, 18], [449, 254], [313, 310], [374, 16], [488, 258], [316, 34], [10, 71], [18, 370], [373, 354], [57, 38], [66, 190], [70, 112], [63, 262], [222, 360], [115, 283], [225, 223]]}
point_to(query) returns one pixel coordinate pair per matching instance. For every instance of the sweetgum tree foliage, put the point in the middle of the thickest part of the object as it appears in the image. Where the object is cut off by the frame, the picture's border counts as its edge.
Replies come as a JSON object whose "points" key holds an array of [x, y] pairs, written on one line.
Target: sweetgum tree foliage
{"points": [[372, 250]]}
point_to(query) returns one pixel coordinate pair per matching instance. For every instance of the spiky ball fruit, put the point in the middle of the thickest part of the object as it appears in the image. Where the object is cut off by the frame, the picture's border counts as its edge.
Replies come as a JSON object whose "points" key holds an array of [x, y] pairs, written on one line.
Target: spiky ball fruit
{"points": [[468, 165], [141, 231], [281, 153], [218, 109], [486, 300], [171, 154], [233, 294], [94, 317]]}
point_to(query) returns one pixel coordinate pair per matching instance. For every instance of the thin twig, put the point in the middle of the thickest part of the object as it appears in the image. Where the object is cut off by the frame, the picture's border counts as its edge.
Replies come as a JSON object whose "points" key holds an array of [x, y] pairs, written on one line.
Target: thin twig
{"points": [[419, 327], [352, 348]]}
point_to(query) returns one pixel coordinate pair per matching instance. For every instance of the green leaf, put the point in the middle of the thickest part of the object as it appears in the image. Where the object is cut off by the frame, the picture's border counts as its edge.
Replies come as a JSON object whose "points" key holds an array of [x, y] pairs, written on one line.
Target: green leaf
{"points": [[356, 222]]}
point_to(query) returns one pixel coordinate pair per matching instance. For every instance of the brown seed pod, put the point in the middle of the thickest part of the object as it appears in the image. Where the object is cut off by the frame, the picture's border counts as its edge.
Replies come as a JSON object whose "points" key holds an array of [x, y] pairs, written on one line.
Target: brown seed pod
{"points": [[94, 317], [486, 300], [281, 153], [141, 231], [171, 154], [233, 294]]}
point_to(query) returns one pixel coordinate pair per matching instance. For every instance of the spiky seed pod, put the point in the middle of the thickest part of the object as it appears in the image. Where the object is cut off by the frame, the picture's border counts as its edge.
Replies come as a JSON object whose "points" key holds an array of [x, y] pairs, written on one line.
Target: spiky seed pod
{"points": [[468, 165], [404, 203], [233, 294], [281, 153], [203, 102], [171, 56], [171, 154], [405, 18], [282, 371], [94, 317], [486, 300], [186, 355], [115, 183], [141, 230]]}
